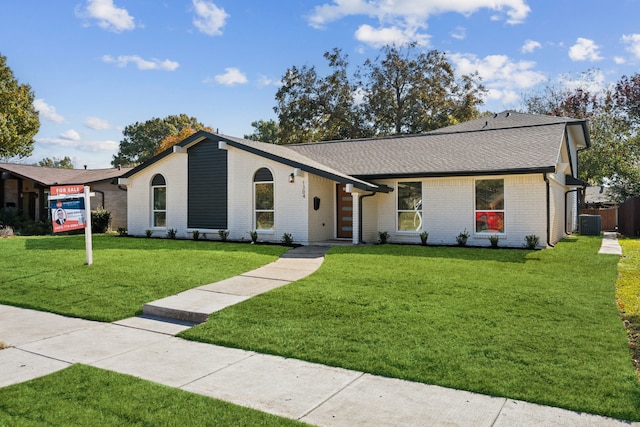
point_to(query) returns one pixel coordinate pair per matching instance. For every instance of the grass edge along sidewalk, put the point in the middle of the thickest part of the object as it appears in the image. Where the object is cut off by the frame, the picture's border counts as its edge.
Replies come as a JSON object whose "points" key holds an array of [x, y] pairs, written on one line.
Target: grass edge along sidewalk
{"points": [[84, 395], [539, 326]]}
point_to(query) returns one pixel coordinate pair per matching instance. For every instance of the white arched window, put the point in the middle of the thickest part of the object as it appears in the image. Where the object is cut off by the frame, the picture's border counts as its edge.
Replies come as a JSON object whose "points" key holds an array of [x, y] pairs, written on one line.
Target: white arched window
{"points": [[264, 212], [158, 201]]}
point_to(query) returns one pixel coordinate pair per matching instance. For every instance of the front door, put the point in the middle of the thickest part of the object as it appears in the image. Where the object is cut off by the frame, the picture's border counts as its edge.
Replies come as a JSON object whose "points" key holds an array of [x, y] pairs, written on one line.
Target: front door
{"points": [[344, 212]]}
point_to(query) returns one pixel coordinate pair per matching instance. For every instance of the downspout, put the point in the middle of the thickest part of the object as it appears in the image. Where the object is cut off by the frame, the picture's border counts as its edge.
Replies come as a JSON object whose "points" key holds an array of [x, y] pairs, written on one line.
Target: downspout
{"points": [[101, 192], [360, 213], [566, 193], [546, 179]]}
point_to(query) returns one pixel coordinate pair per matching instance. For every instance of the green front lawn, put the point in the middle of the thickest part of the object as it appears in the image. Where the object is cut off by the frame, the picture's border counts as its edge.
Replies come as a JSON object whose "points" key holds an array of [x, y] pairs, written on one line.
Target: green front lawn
{"points": [[49, 273], [540, 326], [85, 396]]}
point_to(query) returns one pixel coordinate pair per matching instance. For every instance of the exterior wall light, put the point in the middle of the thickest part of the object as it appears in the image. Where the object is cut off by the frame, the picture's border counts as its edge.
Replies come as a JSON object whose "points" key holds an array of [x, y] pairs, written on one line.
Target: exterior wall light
{"points": [[292, 178]]}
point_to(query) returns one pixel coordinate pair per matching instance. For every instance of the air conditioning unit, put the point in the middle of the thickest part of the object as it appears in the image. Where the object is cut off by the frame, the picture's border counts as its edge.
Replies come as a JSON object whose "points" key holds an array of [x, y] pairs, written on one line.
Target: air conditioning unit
{"points": [[589, 225]]}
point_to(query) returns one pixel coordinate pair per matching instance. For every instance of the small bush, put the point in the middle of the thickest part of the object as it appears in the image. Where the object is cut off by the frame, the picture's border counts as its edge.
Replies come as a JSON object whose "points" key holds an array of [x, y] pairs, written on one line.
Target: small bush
{"points": [[461, 238], [148, 233], [494, 240], [287, 239], [423, 238], [6, 231], [383, 237], [100, 220], [224, 234], [22, 225], [171, 233], [122, 231], [254, 236], [196, 234], [531, 241]]}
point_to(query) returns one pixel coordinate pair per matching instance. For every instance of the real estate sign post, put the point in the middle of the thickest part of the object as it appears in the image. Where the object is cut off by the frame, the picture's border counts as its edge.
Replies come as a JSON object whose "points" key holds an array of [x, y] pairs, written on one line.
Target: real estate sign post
{"points": [[71, 210]]}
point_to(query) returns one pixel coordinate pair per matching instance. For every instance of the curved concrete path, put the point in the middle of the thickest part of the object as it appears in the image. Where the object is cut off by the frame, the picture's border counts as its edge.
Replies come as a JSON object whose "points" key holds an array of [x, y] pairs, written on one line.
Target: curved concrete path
{"points": [[42, 343]]}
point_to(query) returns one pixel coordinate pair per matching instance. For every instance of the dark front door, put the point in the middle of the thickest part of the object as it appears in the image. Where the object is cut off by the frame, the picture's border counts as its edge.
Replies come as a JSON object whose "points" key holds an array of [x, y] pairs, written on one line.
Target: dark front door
{"points": [[344, 213]]}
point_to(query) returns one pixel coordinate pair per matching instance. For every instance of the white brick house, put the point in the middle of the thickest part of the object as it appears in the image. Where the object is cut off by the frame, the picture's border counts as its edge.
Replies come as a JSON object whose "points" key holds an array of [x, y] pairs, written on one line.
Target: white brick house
{"points": [[509, 175]]}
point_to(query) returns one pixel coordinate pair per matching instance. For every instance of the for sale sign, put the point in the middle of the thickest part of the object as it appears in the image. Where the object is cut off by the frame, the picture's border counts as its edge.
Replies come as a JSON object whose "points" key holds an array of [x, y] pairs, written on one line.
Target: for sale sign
{"points": [[71, 210], [67, 208]]}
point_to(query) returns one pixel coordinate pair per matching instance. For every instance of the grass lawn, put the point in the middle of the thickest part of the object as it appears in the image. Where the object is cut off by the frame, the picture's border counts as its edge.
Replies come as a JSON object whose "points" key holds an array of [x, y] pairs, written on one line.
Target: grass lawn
{"points": [[541, 326], [85, 396], [49, 273], [628, 294]]}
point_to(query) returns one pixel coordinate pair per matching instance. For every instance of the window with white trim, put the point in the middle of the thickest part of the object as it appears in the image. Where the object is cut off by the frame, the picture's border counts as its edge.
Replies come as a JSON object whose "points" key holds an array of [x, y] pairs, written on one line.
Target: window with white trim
{"points": [[409, 206], [159, 201], [264, 212], [489, 209]]}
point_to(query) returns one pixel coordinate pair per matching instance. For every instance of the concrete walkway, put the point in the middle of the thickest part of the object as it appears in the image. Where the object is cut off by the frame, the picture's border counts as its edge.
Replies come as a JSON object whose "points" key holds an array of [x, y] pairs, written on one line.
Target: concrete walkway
{"points": [[610, 244], [42, 343]]}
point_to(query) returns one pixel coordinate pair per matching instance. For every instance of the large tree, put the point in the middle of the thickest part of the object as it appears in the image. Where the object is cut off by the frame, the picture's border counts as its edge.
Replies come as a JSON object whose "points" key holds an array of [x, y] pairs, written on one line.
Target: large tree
{"points": [[314, 108], [402, 91], [19, 120], [410, 91], [55, 162], [614, 124], [142, 140], [265, 131]]}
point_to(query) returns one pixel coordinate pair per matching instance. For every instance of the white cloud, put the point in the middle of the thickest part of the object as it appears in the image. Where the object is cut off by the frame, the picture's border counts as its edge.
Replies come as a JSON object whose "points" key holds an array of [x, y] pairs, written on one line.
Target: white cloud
{"points": [[142, 64], [210, 18], [459, 33], [378, 37], [633, 42], [70, 135], [97, 123], [593, 81], [584, 50], [400, 21], [504, 78], [411, 11], [264, 81], [231, 77], [109, 16], [48, 112], [619, 60], [529, 46], [107, 146]]}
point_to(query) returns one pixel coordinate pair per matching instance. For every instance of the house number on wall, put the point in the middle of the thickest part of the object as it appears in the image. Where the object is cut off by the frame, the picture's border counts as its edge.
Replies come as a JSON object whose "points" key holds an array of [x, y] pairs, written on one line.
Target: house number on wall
{"points": [[303, 190]]}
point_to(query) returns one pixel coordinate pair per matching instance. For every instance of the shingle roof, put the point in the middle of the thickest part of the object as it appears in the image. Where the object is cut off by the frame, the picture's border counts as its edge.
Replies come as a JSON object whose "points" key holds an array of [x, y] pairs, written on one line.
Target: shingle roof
{"points": [[57, 176], [505, 143], [506, 120], [513, 149]]}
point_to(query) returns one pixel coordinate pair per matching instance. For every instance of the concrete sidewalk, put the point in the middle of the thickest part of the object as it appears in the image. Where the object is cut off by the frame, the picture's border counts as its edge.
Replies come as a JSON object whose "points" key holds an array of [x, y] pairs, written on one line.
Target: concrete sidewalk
{"points": [[42, 343], [610, 245]]}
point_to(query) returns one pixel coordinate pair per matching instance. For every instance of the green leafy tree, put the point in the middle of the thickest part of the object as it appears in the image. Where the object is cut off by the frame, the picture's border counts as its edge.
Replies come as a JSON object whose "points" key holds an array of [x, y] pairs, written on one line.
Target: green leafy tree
{"points": [[141, 140], [614, 155], [314, 108], [265, 131], [407, 91], [402, 91], [55, 162], [298, 106], [19, 121]]}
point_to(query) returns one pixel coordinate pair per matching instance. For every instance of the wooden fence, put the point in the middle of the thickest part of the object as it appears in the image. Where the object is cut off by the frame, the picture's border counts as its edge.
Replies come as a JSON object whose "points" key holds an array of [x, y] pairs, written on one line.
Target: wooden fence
{"points": [[608, 217]]}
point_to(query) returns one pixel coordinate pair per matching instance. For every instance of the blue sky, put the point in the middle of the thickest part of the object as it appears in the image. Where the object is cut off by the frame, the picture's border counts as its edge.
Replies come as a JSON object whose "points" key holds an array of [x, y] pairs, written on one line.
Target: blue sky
{"points": [[98, 65]]}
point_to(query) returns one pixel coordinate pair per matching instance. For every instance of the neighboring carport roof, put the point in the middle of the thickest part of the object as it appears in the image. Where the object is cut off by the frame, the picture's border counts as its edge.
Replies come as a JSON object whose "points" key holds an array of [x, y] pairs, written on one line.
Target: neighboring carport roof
{"points": [[47, 176]]}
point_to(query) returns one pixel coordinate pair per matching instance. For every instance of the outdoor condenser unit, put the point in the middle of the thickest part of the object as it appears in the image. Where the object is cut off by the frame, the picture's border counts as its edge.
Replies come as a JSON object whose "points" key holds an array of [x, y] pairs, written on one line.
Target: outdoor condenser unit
{"points": [[589, 225]]}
